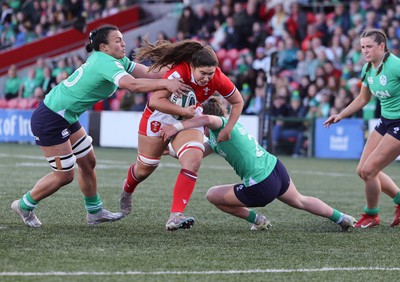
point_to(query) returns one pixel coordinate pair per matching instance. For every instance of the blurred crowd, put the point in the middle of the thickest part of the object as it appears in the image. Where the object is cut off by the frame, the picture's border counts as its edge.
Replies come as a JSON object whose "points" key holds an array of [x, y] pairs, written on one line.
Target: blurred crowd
{"points": [[310, 50], [22, 22]]}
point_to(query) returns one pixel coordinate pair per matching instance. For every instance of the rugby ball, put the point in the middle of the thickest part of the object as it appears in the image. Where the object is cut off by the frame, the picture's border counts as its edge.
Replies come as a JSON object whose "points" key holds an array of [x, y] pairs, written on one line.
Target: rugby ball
{"points": [[183, 100]]}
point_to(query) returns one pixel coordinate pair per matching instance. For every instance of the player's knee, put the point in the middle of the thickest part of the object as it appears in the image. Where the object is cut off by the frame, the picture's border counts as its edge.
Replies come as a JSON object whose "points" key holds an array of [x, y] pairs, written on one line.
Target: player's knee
{"points": [[65, 178], [145, 166], [211, 195], [190, 155]]}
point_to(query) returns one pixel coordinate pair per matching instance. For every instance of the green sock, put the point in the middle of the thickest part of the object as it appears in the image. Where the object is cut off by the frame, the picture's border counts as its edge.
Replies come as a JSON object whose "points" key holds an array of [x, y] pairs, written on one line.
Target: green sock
{"points": [[27, 203], [396, 199], [336, 216], [373, 211], [93, 204], [252, 216]]}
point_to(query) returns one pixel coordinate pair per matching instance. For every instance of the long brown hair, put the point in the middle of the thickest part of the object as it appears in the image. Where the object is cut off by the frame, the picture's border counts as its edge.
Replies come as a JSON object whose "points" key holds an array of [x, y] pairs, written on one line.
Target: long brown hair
{"points": [[163, 53], [379, 37]]}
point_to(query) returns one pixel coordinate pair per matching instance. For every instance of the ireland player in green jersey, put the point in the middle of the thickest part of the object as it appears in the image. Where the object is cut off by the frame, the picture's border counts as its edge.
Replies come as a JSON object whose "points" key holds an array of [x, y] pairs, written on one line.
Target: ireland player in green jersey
{"points": [[264, 177], [381, 78], [64, 142]]}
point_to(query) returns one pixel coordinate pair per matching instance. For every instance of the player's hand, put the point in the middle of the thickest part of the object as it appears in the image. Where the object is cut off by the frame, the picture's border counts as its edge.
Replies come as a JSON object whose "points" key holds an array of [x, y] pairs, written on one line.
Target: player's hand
{"points": [[189, 112], [332, 119], [177, 86], [167, 131], [224, 135]]}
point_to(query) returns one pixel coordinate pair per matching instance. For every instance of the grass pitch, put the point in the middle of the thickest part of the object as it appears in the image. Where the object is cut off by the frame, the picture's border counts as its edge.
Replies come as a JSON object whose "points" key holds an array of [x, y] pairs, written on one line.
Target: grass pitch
{"points": [[299, 247]]}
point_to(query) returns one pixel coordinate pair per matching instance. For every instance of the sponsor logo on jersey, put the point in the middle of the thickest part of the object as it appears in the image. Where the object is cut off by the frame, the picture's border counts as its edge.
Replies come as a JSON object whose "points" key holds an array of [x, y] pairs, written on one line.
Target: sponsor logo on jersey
{"points": [[119, 65], [396, 130]]}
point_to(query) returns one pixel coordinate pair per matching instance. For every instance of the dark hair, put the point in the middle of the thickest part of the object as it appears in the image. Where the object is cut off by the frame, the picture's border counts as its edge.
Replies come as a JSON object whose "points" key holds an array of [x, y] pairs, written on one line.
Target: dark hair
{"points": [[99, 36], [213, 106], [164, 53], [379, 37]]}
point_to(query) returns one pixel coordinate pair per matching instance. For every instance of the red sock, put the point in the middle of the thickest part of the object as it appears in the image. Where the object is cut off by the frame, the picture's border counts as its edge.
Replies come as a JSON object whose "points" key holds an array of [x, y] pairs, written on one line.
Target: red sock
{"points": [[131, 180], [183, 189]]}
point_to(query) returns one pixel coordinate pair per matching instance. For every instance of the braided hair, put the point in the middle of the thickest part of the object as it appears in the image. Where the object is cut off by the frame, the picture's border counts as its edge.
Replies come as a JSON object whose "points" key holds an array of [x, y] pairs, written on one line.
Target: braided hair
{"points": [[379, 37], [99, 36]]}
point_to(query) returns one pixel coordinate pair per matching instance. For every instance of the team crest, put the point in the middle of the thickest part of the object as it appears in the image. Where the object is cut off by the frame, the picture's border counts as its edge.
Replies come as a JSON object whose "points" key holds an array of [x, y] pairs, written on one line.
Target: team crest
{"points": [[206, 90], [370, 80], [383, 80], [155, 126]]}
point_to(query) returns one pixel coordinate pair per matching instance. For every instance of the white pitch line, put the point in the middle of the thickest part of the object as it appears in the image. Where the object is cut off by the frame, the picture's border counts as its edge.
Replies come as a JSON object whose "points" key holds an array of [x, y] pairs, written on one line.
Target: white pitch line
{"points": [[85, 273]]}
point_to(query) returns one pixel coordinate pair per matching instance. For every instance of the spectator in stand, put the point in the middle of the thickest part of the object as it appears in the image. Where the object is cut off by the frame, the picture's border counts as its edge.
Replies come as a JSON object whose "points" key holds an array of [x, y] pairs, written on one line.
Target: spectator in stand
{"points": [[231, 35], [39, 68], [297, 22], [278, 20], [312, 32], [244, 18], [111, 8], [287, 56], [187, 22], [61, 67], [48, 81], [214, 15], [284, 130], [28, 84], [38, 96], [12, 83], [342, 16], [201, 20], [137, 43], [258, 36]]}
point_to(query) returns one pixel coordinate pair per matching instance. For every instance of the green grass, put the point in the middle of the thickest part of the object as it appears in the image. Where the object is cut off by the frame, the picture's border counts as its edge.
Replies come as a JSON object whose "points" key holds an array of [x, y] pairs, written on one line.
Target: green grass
{"points": [[299, 247]]}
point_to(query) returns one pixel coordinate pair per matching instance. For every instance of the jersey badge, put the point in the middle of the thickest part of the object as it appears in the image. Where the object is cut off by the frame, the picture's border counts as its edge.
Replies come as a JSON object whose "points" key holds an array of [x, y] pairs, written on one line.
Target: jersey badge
{"points": [[155, 126], [383, 80], [370, 80]]}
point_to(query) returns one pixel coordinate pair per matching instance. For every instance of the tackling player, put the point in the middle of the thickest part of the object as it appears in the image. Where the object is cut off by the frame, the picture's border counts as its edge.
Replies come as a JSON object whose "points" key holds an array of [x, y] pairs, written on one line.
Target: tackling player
{"points": [[264, 177], [64, 142]]}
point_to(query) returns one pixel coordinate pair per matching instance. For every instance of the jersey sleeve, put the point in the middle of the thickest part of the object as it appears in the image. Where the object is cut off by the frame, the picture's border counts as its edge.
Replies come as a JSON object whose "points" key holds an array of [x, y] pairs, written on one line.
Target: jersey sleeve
{"points": [[116, 69], [178, 71], [224, 85]]}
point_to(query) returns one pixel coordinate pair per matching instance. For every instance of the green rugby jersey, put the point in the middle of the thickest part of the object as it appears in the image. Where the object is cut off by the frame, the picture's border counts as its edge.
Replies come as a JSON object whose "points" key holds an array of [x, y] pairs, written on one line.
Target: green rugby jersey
{"points": [[251, 162], [95, 80], [385, 86]]}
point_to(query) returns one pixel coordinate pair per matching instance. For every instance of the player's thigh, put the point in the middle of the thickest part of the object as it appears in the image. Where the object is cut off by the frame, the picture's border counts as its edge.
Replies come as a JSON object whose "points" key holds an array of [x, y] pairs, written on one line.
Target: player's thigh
{"points": [[150, 146], [385, 152], [185, 136]]}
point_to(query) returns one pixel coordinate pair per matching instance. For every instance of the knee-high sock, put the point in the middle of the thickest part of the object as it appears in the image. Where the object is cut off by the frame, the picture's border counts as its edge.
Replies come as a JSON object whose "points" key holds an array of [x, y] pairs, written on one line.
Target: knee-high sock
{"points": [[131, 180], [183, 189]]}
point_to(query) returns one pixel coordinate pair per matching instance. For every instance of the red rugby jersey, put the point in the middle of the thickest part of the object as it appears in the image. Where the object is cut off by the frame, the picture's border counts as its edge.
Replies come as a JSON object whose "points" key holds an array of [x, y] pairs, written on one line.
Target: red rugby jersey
{"points": [[219, 83]]}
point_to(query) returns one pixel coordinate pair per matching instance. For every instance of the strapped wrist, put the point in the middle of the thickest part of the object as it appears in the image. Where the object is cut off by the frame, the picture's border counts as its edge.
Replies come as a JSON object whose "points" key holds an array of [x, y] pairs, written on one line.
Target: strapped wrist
{"points": [[178, 126]]}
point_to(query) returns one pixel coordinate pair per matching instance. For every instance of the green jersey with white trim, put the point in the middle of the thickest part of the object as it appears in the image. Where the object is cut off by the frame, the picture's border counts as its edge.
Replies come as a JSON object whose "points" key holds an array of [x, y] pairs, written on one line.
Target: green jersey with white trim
{"points": [[95, 80], [251, 162], [385, 86]]}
